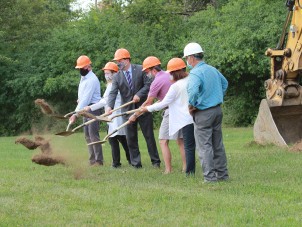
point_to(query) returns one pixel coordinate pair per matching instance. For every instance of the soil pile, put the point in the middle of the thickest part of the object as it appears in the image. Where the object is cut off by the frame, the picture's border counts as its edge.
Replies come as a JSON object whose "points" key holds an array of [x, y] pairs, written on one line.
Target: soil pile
{"points": [[297, 147], [86, 114], [47, 160], [46, 156], [45, 107], [29, 144]]}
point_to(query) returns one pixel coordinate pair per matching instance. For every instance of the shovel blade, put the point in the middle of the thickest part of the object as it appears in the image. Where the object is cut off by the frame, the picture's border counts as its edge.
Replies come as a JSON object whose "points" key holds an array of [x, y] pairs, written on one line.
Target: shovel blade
{"points": [[65, 133]]}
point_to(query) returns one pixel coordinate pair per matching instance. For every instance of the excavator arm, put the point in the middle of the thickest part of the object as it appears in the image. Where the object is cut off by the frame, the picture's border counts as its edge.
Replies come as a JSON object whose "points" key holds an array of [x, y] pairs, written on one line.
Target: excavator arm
{"points": [[280, 114]]}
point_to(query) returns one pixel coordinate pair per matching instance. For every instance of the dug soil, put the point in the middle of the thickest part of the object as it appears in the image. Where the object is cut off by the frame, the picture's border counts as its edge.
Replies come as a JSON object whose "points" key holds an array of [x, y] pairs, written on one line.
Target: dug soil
{"points": [[46, 156], [45, 107]]}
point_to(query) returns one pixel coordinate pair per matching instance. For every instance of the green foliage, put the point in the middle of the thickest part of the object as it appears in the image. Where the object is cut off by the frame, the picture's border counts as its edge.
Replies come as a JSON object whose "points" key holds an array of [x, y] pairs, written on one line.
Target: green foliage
{"points": [[40, 41], [234, 39]]}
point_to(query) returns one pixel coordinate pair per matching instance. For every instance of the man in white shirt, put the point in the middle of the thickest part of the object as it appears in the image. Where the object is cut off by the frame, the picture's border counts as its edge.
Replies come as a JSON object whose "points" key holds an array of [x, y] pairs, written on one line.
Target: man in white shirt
{"points": [[89, 93]]}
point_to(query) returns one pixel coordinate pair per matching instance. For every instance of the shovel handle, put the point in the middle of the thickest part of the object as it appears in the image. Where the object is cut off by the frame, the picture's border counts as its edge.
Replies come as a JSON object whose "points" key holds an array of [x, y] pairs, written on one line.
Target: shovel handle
{"points": [[82, 125], [118, 128], [69, 114], [103, 115], [125, 113], [106, 137], [120, 107]]}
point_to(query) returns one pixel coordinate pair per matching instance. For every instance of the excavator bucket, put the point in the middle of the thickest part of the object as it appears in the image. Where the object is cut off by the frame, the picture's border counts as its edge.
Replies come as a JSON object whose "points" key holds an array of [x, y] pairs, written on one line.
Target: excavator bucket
{"points": [[280, 125]]}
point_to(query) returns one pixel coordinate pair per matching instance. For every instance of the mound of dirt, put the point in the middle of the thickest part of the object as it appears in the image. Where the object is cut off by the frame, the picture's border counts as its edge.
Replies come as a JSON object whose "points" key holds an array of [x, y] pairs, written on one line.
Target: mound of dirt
{"points": [[45, 107], [46, 157], [297, 147], [44, 145], [29, 144], [38, 142], [47, 160], [86, 114]]}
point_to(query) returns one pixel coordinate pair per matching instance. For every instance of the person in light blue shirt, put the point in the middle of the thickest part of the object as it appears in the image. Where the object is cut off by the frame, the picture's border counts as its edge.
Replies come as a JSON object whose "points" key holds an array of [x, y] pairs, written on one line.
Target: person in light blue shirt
{"points": [[89, 92], [206, 89]]}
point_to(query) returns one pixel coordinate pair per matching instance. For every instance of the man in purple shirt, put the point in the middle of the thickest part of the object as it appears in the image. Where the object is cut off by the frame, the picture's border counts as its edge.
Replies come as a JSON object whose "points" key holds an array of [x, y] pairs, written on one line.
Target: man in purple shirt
{"points": [[158, 90]]}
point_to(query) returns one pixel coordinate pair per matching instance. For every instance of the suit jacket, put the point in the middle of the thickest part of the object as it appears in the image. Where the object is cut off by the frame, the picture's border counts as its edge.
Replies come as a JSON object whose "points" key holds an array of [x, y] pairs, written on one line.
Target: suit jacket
{"points": [[141, 85]]}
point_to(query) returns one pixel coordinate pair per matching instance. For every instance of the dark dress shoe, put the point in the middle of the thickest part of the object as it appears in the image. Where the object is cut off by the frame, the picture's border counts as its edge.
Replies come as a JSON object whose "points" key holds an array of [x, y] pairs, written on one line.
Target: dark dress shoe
{"points": [[137, 166], [119, 165]]}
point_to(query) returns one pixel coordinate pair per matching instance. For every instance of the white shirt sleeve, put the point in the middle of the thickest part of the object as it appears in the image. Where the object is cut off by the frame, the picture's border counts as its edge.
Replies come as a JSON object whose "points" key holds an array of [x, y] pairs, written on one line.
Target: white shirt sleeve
{"points": [[103, 101], [169, 98]]}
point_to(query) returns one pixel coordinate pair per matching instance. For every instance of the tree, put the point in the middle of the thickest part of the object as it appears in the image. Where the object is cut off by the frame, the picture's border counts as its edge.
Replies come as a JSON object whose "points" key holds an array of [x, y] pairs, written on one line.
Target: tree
{"points": [[235, 38]]}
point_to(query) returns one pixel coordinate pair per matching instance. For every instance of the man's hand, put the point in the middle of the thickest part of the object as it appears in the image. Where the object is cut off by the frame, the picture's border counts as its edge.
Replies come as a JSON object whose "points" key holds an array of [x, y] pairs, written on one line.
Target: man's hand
{"points": [[143, 110], [192, 109], [108, 110], [87, 108], [133, 117], [136, 98], [72, 119]]}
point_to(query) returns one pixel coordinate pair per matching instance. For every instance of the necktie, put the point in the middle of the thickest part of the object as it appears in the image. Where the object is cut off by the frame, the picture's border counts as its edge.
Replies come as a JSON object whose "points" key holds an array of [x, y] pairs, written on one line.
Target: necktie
{"points": [[128, 77]]}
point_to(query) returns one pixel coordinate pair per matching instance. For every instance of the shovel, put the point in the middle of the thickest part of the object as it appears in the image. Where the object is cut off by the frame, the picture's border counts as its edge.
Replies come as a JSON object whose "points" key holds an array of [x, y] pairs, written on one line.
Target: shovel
{"points": [[65, 133], [90, 115], [106, 137], [122, 114]]}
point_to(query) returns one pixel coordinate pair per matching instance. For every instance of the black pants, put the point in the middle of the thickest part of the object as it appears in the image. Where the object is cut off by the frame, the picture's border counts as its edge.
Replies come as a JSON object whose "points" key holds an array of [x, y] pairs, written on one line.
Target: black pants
{"points": [[115, 149], [146, 124]]}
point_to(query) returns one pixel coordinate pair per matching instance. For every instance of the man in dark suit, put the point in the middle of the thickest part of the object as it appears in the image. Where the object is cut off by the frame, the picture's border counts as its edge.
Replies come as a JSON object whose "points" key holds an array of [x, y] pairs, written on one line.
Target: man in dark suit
{"points": [[133, 84]]}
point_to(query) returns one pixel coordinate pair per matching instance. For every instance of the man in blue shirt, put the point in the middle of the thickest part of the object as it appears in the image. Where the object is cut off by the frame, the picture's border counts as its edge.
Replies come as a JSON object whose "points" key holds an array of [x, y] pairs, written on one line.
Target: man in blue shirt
{"points": [[89, 92], [206, 88]]}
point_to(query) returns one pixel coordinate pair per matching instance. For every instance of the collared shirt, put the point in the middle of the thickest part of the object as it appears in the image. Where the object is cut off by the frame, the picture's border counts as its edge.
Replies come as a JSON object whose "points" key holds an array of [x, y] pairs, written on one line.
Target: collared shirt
{"points": [[89, 91], [116, 122], [206, 86], [130, 72], [160, 85], [177, 100]]}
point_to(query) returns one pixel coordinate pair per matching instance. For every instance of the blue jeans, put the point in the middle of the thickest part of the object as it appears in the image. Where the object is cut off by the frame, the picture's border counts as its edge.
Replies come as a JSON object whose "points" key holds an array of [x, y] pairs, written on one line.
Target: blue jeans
{"points": [[189, 144]]}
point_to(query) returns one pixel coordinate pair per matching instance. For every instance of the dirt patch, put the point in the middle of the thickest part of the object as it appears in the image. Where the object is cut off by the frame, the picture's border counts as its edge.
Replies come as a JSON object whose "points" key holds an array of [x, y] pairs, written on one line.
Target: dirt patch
{"points": [[297, 147], [33, 144], [46, 156], [47, 160], [86, 114], [29, 144], [44, 145], [45, 107]]}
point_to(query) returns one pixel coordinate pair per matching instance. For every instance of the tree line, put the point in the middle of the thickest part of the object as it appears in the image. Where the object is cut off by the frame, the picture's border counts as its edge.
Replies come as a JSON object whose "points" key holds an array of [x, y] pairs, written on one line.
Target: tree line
{"points": [[41, 40]]}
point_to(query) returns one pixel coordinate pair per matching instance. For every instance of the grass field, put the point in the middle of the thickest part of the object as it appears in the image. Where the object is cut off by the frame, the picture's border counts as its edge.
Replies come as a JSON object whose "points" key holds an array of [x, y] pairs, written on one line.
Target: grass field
{"points": [[265, 188]]}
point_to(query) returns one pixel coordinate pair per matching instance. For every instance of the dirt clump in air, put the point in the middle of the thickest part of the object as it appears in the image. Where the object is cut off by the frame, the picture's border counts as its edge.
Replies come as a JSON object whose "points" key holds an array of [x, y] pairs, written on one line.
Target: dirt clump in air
{"points": [[46, 157], [45, 107]]}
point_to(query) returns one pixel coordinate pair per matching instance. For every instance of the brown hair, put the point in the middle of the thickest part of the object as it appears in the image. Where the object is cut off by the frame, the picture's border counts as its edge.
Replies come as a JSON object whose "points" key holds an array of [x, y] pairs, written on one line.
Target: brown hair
{"points": [[179, 74]]}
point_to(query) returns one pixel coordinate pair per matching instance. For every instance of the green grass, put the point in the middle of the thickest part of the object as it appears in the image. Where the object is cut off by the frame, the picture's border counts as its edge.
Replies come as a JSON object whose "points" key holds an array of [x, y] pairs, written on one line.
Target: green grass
{"points": [[265, 188]]}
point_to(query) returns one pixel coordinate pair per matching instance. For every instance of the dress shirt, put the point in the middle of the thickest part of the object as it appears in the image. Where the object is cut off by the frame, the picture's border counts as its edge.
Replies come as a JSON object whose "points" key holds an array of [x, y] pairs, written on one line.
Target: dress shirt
{"points": [[89, 91], [206, 86]]}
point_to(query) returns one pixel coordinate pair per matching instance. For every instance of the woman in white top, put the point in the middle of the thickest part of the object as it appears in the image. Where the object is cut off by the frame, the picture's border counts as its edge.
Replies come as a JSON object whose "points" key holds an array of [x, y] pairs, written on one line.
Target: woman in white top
{"points": [[110, 69], [179, 117]]}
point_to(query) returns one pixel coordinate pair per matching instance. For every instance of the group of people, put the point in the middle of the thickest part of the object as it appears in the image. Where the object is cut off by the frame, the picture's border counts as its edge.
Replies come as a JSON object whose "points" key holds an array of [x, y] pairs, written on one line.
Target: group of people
{"points": [[191, 104]]}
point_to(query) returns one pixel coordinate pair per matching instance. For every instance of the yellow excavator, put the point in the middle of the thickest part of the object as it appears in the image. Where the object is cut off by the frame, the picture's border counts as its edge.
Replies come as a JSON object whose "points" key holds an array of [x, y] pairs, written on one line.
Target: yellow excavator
{"points": [[279, 120]]}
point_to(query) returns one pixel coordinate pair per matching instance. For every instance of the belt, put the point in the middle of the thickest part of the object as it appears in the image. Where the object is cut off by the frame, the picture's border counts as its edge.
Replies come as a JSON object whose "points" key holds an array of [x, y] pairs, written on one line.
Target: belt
{"points": [[209, 107]]}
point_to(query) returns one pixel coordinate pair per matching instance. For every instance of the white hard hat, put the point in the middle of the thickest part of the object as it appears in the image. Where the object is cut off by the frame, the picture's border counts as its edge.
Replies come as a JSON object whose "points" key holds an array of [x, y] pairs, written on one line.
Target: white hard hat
{"points": [[192, 48]]}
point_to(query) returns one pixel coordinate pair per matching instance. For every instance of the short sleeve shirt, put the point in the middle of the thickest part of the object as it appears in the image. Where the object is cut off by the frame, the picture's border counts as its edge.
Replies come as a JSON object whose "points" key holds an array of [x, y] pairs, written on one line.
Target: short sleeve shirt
{"points": [[160, 85]]}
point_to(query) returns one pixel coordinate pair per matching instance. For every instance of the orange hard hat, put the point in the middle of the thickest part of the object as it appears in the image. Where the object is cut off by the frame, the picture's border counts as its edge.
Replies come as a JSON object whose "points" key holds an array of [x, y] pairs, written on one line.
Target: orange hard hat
{"points": [[149, 62], [120, 54], [82, 62], [111, 66], [175, 64]]}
